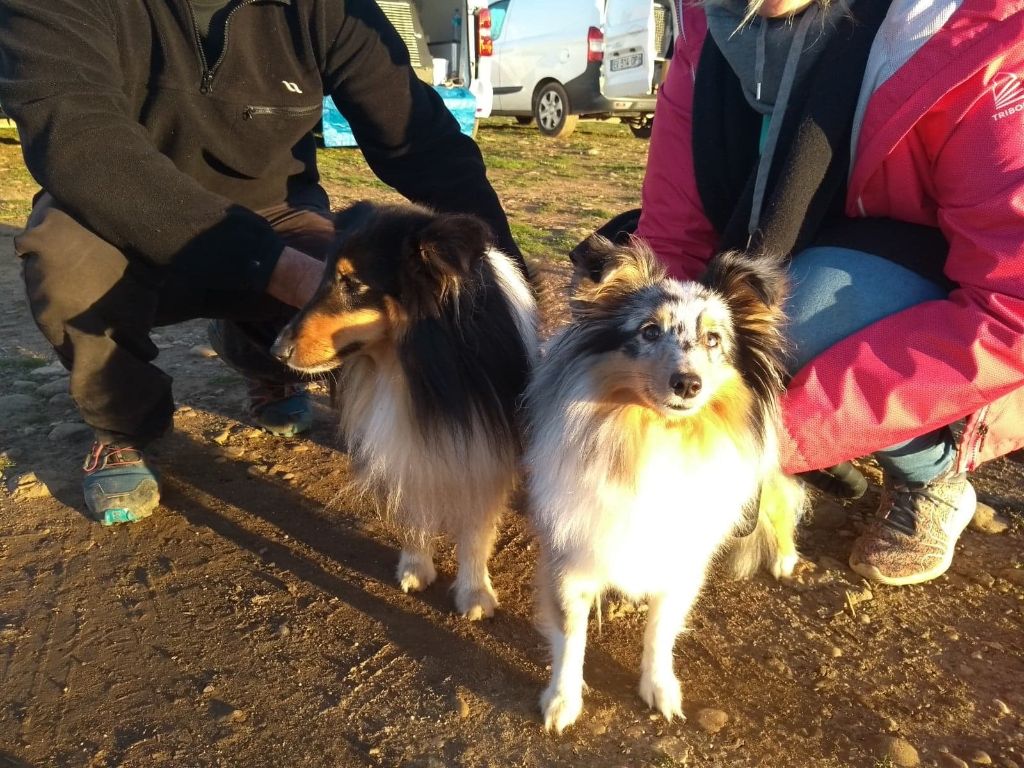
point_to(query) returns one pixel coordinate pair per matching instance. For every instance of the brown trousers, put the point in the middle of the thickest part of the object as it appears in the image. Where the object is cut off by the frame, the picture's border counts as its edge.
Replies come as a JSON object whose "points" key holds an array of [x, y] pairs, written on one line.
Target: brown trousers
{"points": [[97, 308]]}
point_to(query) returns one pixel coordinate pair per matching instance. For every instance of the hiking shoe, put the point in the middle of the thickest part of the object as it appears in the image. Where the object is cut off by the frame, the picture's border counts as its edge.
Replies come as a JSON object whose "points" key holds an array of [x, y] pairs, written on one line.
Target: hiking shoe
{"points": [[914, 536], [281, 409], [119, 486]]}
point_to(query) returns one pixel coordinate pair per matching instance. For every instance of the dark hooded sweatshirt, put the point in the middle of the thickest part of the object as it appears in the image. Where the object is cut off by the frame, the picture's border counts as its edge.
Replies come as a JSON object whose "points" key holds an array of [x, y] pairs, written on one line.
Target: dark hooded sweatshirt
{"points": [[166, 154]]}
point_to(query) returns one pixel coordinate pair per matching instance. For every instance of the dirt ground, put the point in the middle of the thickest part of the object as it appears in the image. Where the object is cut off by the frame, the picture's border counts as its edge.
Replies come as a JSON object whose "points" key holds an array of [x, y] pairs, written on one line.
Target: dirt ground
{"points": [[253, 621]]}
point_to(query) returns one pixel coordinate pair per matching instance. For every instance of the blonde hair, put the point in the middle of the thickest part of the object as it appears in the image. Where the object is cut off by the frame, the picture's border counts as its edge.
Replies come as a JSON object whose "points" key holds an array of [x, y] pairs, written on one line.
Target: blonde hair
{"points": [[753, 6]]}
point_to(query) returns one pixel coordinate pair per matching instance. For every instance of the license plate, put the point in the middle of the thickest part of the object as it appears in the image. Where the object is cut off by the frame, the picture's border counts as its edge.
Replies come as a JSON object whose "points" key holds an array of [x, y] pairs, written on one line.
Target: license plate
{"points": [[630, 61]]}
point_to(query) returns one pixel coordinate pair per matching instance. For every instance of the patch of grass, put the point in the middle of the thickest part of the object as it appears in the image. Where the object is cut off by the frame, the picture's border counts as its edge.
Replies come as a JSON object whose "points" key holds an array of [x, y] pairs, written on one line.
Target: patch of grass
{"points": [[543, 244], [13, 366]]}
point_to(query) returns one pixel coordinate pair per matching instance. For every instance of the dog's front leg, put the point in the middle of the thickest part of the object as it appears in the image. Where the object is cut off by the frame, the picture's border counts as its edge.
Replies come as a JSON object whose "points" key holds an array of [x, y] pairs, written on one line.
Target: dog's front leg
{"points": [[416, 564], [562, 701], [474, 595], [659, 686]]}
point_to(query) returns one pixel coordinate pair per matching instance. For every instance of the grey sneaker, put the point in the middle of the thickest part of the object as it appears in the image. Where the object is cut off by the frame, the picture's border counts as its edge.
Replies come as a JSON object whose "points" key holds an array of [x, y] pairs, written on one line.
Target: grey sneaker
{"points": [[914, 535]]}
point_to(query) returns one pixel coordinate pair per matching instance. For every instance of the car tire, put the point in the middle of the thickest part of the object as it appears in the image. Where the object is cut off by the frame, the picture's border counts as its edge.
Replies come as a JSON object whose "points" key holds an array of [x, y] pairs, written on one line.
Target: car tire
{"points": [[641, 131], [641, 127], [551, 111]]}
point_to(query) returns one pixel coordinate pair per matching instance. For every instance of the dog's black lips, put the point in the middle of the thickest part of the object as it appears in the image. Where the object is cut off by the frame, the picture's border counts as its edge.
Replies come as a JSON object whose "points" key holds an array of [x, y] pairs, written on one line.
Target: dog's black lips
{"points": [[350, 349]]}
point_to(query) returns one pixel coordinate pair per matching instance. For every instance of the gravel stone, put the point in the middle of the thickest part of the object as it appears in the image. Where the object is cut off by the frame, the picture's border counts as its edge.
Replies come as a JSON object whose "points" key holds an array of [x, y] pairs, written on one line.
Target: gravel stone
{"points": [[987, 520], [828, 515], [70, 430], [899, 751], [48, 371], [203, 350], [711, 720], [51, 388]]}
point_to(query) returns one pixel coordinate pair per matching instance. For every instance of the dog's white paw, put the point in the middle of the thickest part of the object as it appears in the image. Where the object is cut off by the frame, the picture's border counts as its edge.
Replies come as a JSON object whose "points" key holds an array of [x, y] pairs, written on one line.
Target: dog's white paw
{"points": [[784, 566], [662, 693], [415, 571], [475, 603], [560, 708]]}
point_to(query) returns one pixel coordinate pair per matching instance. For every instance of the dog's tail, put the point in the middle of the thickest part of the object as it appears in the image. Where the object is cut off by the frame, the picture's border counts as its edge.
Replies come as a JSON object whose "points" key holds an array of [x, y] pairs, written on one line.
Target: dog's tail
{"points": [[772, 543]]}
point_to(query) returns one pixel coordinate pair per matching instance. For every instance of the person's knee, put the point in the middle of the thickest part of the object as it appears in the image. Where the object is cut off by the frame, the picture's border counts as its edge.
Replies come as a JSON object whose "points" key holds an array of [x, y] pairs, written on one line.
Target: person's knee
{"points": [[66, 270]]}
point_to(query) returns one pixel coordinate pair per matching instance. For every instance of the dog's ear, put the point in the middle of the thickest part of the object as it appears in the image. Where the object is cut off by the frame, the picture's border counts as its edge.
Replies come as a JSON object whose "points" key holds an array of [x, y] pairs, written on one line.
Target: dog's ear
{"points": [[590, 258], [352, 218], [452, 244], [743, 277], [625, 270]]}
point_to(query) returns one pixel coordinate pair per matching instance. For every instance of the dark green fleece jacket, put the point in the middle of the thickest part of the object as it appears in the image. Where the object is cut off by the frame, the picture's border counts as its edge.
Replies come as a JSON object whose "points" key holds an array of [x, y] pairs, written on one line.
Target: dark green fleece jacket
{"points": [[167, 155]]}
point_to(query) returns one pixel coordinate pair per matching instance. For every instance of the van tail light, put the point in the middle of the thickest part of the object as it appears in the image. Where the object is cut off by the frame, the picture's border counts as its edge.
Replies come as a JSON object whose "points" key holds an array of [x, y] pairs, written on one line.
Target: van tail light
{"points": [[484, 42], [595, 44]]}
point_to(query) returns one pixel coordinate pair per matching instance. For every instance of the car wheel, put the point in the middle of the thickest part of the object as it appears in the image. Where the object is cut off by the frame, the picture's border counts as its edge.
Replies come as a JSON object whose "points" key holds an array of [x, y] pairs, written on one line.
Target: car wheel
{"points": [[642, 128], [551, 110]]}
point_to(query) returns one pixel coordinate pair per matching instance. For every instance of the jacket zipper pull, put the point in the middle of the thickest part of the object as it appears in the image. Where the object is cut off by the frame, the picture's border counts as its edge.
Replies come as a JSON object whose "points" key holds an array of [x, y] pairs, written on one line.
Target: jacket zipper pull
{"points": [[206, 85]]}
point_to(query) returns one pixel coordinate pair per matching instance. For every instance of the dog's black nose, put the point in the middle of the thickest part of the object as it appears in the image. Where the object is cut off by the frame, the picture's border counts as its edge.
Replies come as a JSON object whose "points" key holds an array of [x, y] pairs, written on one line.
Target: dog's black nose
{"points": [[283, 348], [685, 384]]}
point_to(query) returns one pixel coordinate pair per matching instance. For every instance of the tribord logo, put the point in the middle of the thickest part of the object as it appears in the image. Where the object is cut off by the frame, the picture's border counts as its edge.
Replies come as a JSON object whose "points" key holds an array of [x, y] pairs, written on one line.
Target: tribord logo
{"points": [[1008, 93]]}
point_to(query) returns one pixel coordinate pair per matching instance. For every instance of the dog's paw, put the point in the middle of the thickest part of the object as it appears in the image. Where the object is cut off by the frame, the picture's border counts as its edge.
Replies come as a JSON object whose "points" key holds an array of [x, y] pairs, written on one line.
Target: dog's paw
{"points": [[415, 572], [784, 566], [662, 693], [475, 603], [560, 708]]}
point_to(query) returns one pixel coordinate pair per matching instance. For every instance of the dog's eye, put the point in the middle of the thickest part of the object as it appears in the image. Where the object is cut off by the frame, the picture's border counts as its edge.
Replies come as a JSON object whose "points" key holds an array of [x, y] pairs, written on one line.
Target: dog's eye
{"points": [[712, 339], [651, 332]]}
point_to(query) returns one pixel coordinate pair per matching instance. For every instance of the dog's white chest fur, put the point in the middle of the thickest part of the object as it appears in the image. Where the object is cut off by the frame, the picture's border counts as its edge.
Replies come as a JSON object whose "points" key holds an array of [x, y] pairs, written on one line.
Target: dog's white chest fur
{"points": [[640, 528]]}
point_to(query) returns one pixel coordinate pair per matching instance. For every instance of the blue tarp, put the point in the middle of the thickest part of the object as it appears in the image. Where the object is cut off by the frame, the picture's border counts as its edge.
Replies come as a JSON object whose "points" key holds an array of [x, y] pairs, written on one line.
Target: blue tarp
{"points": [[460, 102]]}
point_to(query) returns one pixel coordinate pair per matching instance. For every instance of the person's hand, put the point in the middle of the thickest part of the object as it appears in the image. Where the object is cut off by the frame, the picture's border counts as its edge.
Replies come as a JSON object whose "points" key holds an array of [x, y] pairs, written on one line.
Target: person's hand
{"points": [[295, 278]]}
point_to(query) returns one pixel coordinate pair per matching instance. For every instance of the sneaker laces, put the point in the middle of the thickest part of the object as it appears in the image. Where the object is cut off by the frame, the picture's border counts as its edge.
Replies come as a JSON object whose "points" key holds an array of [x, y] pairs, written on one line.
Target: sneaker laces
{"points": [[109, 454], [262, 393], [902, 513]]}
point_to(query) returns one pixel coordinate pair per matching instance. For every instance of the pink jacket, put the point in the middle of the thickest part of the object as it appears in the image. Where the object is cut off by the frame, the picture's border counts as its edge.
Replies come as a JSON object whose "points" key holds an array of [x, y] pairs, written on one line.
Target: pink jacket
{"points": [[941, 144]]}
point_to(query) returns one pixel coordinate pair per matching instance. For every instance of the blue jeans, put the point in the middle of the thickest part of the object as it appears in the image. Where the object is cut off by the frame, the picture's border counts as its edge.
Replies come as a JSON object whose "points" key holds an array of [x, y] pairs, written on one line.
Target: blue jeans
{"points": [[838, 291]]}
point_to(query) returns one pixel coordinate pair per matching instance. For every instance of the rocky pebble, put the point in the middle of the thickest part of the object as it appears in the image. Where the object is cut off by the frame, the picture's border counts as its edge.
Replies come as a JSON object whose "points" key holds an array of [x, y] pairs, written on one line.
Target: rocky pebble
{"points": [[947, 760], [1013, 575], [828, 515], [23, 386], [202, 350], [28, 487], [48, 371], [899, 752], [987, 520], [16, 406], [51, 388], [61, 400], [70, 430], [980, 757], [674, 748], [711, 720]]}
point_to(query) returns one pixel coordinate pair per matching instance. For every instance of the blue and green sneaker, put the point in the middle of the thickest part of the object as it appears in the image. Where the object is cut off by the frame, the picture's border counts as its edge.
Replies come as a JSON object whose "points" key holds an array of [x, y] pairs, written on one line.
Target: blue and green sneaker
{"points": [[284, 410], [119, 486]]}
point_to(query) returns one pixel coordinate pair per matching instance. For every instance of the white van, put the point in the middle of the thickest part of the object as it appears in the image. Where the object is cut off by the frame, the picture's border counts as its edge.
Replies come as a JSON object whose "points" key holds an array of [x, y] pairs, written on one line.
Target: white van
{"points": [[443, 38], [555, 61]]}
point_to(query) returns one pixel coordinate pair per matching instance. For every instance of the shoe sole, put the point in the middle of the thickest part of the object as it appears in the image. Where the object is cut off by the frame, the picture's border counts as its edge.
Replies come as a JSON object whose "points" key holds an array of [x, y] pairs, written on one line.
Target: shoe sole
{"points": [[131, 507], [964, 513], [290, 431]]}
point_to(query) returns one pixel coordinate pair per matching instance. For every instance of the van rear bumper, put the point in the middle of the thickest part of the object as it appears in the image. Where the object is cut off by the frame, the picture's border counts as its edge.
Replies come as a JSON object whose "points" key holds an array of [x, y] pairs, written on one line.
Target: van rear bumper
{"points": [[585, 97]]}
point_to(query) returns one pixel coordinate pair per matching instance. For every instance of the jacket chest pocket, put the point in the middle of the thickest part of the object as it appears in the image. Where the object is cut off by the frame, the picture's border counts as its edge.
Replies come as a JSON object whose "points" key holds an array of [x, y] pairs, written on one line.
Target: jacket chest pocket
{"points": [[274, 113]]}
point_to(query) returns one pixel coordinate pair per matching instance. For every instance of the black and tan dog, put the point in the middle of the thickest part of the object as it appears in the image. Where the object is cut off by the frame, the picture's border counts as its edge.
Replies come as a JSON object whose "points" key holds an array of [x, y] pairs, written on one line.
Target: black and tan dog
{"points": [[432, 331]]}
